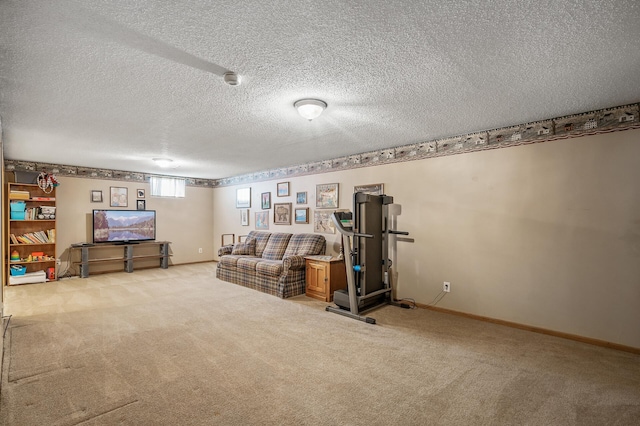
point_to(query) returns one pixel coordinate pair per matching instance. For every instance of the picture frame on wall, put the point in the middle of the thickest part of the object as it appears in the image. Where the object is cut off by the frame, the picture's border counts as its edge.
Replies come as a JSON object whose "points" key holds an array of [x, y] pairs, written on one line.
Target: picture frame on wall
{"points": [[243, 198], [301, 214], [244, 217], [301, 198], [322, 222], [373, 189], [141, 205], [96, 196], [262, 220], [282, 213], [119, 197], [265, 199], [327, 196], [140, 193], [283, 189]]}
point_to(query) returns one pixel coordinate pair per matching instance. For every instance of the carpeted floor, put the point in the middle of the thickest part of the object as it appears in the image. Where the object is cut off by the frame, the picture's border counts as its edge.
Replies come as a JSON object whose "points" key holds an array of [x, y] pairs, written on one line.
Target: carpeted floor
{"points": [[178, 347]]}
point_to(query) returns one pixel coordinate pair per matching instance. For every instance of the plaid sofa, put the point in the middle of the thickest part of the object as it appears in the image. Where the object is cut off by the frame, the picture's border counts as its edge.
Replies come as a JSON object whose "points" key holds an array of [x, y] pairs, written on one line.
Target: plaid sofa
{"points": [[271, 262]]}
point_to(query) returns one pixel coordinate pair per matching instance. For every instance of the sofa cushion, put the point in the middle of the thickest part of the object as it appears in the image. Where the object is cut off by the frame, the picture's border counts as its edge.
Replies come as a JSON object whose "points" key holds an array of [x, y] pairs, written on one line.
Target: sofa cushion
{"points": [[276, 246], [229, 261], [262, 238], [248, 263], [248, 247], [272, 268], [305, 245]]}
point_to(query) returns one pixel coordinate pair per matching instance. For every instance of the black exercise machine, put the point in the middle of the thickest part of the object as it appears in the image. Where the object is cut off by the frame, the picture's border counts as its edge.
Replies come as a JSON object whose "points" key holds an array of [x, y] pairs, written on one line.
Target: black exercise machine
{"points": [[367, 263]]}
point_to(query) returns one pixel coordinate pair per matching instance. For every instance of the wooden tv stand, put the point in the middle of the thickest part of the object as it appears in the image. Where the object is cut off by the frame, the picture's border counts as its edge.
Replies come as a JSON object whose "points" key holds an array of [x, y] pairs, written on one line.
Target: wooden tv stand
{"points": [[128, 256]]}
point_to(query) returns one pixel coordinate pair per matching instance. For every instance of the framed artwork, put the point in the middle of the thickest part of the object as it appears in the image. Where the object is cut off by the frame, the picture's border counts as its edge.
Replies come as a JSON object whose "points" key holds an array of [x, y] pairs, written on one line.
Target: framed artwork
{"points": [[262, 220], [141, 205], [244, 217], [119, 197], [301, 198], [301, 214], [266, 200], [373, 189], [282, 213], [140, 193], [327, 196], [283, 189], [96, 196], [322, 222], [243, 198]]}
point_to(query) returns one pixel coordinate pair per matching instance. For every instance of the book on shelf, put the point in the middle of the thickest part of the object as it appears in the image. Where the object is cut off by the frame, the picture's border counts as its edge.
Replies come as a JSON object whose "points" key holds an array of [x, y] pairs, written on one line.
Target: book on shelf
{"points": [[15, 194], [37, 237], [43, 198]]}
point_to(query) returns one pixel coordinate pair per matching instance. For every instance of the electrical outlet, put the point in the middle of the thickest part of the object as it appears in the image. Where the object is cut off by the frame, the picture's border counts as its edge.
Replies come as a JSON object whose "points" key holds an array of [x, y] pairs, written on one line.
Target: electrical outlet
{"points": [[58, 262], [200, 250], [446, 287]]}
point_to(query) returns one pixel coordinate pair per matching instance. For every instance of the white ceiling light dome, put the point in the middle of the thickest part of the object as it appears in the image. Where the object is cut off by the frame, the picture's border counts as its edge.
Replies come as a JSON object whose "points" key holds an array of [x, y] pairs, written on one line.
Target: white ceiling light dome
{"points": [[310, 108]]}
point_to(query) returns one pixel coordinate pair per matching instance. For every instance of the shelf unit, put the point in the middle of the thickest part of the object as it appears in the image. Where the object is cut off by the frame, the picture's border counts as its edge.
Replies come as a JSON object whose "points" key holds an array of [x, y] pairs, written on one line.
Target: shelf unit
{"points": [[21, 227]]}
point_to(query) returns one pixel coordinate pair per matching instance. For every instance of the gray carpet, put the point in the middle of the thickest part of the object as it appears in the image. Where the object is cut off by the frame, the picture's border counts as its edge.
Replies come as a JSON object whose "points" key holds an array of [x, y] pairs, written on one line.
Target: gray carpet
{"points": [[178, 347]]}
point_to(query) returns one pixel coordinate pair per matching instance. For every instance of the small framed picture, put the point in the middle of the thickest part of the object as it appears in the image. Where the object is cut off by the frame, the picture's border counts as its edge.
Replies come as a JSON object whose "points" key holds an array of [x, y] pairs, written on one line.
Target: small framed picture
{"points": [[373, 189], [262, 220], [301, 198], [327, 196], [301, 214], [140, 193], [96, 196], [283, 189], [243, 198], [282, 213], [322, 222], [265, 198], [244, 217], [141, 205], [119, 197]]}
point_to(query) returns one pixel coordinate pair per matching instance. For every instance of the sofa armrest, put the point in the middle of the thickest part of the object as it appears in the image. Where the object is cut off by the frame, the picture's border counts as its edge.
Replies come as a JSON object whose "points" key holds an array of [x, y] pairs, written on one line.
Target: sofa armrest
{"points": [[293, 262], [225, 250]]}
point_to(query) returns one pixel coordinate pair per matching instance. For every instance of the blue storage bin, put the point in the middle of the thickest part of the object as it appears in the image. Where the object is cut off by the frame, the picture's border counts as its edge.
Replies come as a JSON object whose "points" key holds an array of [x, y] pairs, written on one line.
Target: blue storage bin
{"points": [[17, 210], [18, 270], [17, 215]]}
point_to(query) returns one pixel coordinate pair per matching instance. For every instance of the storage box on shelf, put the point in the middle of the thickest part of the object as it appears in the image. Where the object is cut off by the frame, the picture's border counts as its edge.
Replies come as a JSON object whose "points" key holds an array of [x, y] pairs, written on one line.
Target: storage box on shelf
{"points": [[30, 240]]}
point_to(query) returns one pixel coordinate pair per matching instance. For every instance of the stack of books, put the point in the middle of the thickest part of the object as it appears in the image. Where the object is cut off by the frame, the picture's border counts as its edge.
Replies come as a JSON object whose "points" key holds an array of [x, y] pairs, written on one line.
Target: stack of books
{"points": [[15, 194], [38, 237]]}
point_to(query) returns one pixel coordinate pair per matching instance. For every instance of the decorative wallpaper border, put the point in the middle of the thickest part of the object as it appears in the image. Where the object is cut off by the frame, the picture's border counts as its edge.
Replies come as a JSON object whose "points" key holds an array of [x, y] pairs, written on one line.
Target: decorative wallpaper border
{"points": [[588, 123]]}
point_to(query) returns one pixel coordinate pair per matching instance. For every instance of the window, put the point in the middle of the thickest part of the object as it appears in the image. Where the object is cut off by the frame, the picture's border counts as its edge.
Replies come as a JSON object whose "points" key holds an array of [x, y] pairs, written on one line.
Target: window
{"points": [[167, 187]]}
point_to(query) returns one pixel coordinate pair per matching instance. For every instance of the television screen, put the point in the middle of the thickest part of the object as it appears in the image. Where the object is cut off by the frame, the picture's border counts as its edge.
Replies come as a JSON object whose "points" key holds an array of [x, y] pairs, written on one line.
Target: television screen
{"points": [[124, 225]]}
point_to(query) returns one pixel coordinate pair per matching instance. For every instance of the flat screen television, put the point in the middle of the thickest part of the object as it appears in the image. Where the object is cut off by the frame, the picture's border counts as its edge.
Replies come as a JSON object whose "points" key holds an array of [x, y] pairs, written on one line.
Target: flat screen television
{"points": [[124, 226]]}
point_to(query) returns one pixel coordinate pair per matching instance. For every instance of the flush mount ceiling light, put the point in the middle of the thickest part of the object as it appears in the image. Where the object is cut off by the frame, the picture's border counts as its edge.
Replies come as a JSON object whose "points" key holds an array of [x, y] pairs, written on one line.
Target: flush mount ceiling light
{"points": [[310, 108], [163, 162]]}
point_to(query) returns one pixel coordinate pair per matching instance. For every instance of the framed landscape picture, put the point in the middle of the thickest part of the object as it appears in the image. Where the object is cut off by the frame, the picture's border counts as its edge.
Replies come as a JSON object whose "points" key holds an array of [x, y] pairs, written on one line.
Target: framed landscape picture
{"points": [[327, 196], [282, 213], [301, 214], [283, 189], [96, 196], [262, 220], [301, 198]]}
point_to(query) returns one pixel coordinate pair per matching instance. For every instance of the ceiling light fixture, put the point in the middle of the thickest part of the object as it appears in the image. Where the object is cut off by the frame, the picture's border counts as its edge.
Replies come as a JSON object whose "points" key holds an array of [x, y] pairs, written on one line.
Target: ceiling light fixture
{"points": [[163, 162], [310, 108]]}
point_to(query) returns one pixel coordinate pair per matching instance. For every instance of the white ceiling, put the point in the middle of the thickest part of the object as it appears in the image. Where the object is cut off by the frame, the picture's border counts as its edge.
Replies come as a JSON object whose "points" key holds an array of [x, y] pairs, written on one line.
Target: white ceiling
{"points": [[113, 84]]}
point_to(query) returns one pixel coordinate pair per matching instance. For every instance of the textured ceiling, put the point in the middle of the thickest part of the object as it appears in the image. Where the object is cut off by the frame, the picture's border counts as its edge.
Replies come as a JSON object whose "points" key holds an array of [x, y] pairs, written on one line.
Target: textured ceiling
{"points": [[113, 84]]}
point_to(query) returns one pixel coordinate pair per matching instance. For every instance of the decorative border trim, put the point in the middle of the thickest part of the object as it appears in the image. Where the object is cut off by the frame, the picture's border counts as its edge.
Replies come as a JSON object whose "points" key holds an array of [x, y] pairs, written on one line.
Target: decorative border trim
{"points": [[589, 123]]}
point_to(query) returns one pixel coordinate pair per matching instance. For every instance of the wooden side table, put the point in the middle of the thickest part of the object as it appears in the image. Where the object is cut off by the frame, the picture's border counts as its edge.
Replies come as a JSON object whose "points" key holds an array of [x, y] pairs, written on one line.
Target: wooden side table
{"points": [[324, 276]]}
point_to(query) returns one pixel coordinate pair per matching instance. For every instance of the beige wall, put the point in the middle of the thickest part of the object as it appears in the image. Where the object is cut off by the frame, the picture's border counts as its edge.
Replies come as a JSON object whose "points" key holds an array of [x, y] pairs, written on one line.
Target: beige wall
{"points": [[185, 222], [546, 235]]}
